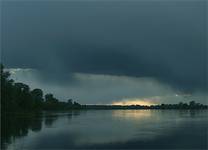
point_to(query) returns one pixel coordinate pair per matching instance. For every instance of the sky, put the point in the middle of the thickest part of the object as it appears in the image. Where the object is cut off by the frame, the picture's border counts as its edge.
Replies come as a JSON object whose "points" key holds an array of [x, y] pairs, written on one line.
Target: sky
{"points": [[108, 52]]}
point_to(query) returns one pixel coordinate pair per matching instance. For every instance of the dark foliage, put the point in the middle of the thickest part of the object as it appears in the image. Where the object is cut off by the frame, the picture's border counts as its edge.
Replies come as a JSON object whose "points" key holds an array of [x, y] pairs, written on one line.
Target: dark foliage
{"points": [[17, 97], [191, 105]]}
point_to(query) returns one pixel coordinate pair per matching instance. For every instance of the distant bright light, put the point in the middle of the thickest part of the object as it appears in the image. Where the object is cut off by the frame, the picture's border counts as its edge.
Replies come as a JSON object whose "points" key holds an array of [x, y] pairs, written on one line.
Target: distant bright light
{"points": [[144, 102]]}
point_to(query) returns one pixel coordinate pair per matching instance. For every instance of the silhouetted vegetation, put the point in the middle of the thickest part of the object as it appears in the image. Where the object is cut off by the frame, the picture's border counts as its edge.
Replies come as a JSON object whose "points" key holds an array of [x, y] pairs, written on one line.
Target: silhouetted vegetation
{"points": [[16, 97], [191, 105]]}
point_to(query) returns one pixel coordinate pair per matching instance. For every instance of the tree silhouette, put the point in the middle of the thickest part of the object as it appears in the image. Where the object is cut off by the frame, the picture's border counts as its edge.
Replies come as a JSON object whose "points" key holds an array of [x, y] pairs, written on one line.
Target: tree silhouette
{"points": [[37, 95], [18, 97]]}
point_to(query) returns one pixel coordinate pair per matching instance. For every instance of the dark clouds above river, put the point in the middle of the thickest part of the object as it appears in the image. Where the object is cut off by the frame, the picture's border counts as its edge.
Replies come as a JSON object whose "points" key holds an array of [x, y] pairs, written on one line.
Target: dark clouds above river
{"points": [[161, 40], [108, 89]]}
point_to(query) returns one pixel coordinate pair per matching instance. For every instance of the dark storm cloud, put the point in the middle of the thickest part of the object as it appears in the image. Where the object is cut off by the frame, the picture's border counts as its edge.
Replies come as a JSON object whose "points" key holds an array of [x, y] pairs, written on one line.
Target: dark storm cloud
{"points": [[164, 40]]}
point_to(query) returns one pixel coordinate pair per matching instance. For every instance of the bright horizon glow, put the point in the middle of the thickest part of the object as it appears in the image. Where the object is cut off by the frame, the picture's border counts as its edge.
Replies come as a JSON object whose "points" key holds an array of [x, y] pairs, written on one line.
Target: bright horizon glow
{"points": [[126, 102]]}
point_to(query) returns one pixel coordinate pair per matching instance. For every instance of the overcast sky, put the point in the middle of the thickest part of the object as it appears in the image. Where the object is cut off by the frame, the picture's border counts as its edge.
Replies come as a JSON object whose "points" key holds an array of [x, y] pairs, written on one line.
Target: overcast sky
{"points": [[99, 51]]}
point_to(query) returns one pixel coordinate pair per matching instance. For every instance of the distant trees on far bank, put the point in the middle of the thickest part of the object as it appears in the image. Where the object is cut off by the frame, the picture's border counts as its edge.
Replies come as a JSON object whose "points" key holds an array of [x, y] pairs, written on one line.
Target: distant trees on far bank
{"points": [[18, 97], [181, 105], [192, 105]]}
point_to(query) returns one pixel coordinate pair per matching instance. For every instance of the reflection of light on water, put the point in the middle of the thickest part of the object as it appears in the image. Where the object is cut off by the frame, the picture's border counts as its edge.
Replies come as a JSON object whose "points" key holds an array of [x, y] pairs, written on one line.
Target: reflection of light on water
{"points": [[106, 127], [122, 126], [132, 114]]}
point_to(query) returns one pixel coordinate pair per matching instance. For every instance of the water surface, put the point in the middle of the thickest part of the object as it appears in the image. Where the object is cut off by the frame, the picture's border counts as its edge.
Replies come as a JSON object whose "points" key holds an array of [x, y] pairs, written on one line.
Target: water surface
{"points": [[107, 129]]}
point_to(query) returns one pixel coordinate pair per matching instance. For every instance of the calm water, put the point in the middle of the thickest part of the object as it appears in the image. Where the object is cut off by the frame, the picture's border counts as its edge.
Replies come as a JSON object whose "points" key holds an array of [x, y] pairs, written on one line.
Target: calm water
{"points": [[107, 129]]}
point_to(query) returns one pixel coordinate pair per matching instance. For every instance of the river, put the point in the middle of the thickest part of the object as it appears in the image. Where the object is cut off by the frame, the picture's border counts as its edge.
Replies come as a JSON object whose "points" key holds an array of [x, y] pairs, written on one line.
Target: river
{"points": [[107, 129]]}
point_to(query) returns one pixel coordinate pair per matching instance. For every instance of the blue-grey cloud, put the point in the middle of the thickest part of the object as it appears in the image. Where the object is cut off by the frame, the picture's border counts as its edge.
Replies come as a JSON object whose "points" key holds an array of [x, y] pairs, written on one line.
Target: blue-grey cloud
{"points": [[161, 40], [108, 89]]}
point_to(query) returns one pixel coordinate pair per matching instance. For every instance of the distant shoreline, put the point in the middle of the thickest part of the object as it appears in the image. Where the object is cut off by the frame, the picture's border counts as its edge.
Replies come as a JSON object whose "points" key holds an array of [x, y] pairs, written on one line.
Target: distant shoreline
{"points": [[180, 106], [18, 97]]}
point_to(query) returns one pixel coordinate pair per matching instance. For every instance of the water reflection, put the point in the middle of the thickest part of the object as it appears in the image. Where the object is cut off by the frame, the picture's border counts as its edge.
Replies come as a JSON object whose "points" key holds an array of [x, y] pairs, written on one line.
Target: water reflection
{"points": [[132, 114], [146, 129], [13, 127]]}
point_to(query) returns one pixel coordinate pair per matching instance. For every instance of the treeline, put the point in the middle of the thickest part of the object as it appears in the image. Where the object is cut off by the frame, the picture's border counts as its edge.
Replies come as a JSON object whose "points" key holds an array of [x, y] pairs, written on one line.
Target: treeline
{"points": [[181, 105], [19, 97], [191, 105]]}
